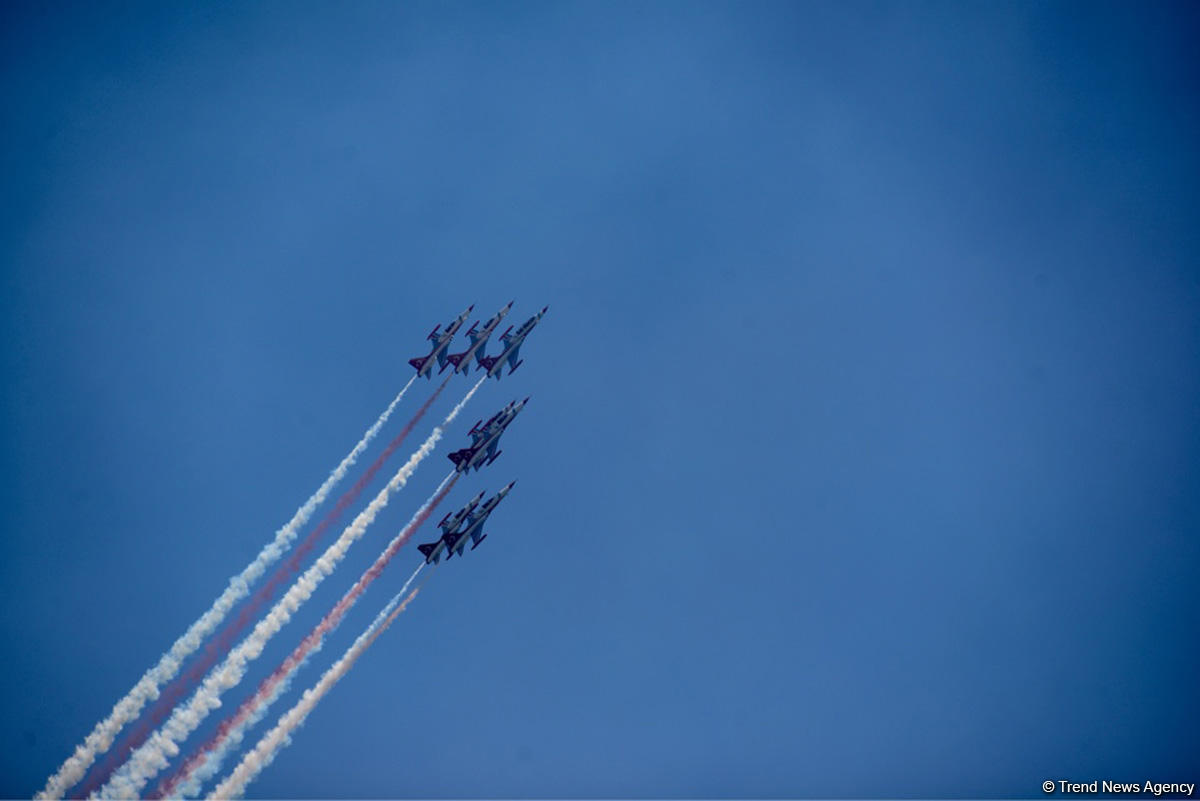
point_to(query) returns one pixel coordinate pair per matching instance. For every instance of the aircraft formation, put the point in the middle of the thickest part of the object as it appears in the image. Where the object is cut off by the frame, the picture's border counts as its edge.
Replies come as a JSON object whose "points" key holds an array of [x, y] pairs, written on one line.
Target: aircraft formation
{"points": [[462, 361], [173, 698], [485, 436]]}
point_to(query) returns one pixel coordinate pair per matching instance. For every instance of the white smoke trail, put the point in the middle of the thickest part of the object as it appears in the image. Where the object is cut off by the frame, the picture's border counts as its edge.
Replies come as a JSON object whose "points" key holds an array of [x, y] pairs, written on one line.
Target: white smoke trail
{"points": [[145, 763], [233, 740], [265, 751], [147, 688]]}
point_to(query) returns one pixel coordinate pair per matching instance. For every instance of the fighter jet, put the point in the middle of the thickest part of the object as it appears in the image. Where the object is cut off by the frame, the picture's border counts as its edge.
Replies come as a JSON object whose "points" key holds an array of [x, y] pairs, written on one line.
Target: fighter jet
{"points": [[462, 361], [473, 530], [512, 345], [424, 364], [485, 437], [497, 421], [453, 541], [433, 550]]}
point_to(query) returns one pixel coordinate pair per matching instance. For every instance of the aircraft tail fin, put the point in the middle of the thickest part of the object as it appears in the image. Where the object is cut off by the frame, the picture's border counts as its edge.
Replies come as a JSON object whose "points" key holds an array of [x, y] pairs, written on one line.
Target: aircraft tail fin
{"points": [[427, 548], [418, 362], [460, 456], [488, 362]]}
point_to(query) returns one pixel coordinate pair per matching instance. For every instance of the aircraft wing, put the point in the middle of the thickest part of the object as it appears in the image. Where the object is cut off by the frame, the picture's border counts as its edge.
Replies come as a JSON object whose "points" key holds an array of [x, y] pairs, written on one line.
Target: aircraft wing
{"points": [[452, 541], [512, 358], [479, 336]]}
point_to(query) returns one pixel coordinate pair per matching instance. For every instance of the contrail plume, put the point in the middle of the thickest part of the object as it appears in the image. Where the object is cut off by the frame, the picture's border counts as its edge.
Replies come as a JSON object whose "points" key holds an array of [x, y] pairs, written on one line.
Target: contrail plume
{"points": [[220, 645], [277, 738], [147, 688], [189, 778], [153, 755], [205, 763]]}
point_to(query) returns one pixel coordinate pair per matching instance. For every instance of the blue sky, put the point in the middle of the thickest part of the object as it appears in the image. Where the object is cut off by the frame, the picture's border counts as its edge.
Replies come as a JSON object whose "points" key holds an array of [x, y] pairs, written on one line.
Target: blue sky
{"points": [[862, 455]]}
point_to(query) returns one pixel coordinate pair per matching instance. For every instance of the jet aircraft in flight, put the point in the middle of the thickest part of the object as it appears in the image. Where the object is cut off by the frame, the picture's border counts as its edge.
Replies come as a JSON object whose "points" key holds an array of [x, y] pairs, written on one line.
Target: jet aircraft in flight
{"points": [[485, 437], [451, 522], [512, 346], [462, 361], [441, 342], [453, 541]]}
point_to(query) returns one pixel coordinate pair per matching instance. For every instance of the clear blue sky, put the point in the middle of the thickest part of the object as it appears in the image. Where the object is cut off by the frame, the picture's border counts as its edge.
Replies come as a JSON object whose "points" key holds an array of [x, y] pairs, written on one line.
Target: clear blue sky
{"points": [[863, 456]]}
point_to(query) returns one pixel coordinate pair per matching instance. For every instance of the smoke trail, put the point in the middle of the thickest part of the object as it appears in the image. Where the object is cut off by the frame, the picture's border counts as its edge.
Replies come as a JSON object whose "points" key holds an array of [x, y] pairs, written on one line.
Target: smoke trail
{"points": [[153, 755], [128, 708], [229, 733], [221, 644], [203, 765], [277, 738]]}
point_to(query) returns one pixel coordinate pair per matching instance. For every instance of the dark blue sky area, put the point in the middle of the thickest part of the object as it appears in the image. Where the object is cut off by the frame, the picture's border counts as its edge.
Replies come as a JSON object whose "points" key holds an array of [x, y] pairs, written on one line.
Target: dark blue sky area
{"points": [[862, 456]]}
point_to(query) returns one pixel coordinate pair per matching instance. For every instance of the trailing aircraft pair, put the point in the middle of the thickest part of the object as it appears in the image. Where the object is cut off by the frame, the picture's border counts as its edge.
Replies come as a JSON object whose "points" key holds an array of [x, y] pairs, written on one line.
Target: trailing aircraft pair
{"points": [[465, 524]]}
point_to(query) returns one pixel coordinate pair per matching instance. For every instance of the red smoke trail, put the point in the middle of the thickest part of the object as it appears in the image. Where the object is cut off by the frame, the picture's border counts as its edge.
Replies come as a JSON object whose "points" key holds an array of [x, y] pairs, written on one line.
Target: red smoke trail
{"points": [[297, 656], [264, 752], [221, 644]]}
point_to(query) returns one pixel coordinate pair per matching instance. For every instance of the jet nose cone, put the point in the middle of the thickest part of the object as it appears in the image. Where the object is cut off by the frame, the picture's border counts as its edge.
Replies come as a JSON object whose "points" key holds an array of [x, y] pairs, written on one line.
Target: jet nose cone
{"points": [[471, 307], [545, 309], [511, 484]]}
